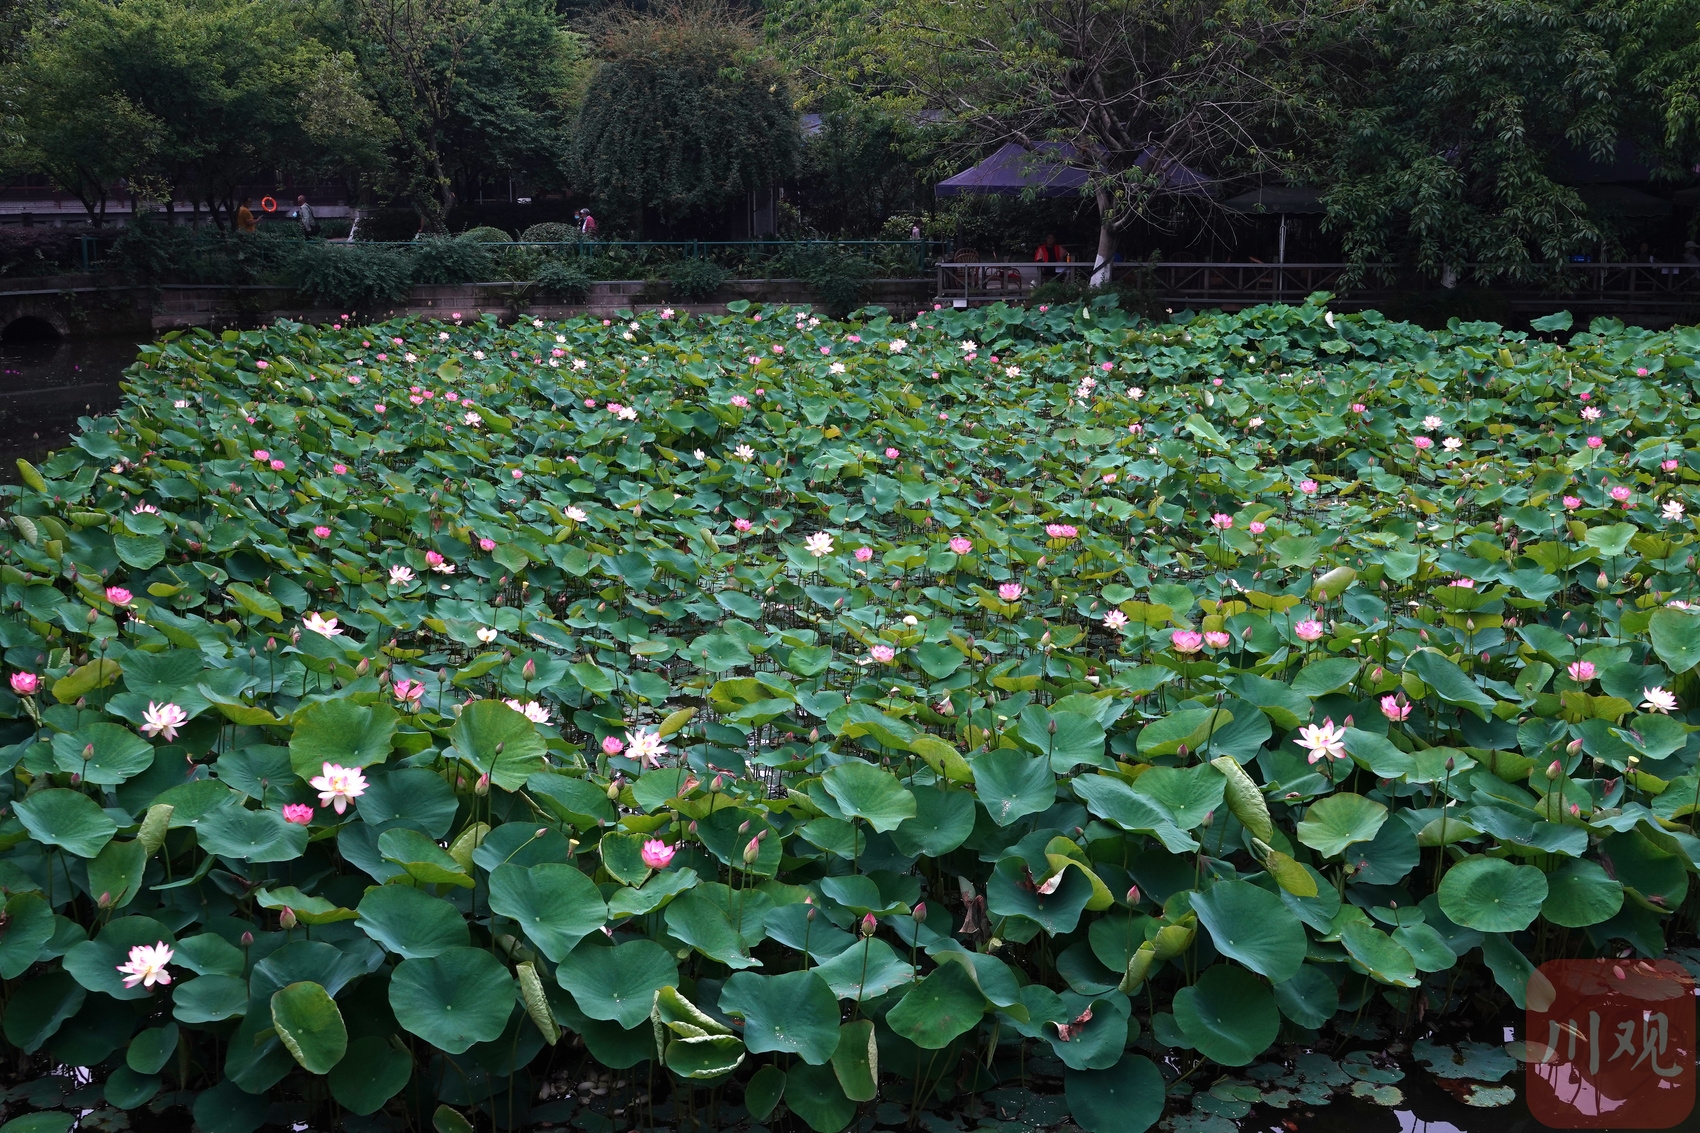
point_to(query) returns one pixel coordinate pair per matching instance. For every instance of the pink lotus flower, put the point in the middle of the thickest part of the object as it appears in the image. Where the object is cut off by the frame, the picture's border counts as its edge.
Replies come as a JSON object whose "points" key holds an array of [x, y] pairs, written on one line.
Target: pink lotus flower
{"points": [[1216, 639], [960, 546], [146, 965], [1257, 527], [863, 554], [1115, 620], [163, 720], [1580, 671], [892, 454], [1308, 630], [1323, 741], [409, 691], [1359, 407], [260, 365], [1571, 503], [299, 813], [321, 532], [1668, 465], [1308, 487], [486, 544], [646, 747], [1186, 641], [1595, 442], [1061, 530], [25, 684], [656, 853], [740, 401], [379, 408], [1395, 709], [1010, 591], [338, 786], [884, 654], [339, 469], [1221, 521], [1423, 442], [612, 745], [1640, 371], [433, 559], [119, 596], [262, 455], [277, 466], [741, 525], [1109, 477], [1620, 493]]}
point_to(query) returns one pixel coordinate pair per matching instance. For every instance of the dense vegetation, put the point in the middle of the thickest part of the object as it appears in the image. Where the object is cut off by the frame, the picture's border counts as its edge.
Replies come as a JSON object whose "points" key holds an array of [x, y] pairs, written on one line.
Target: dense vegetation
{"points": [[703, 720]]}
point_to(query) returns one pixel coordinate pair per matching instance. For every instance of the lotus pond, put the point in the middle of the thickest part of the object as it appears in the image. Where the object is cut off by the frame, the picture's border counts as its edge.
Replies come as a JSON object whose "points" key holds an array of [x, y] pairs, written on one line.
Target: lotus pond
{"points": [[1002, 718]]}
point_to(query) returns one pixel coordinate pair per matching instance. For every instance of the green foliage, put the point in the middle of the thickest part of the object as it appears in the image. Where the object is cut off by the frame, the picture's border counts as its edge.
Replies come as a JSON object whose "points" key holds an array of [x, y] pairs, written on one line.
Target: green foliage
{"points": [[353, 275], [684, 114], [1272, 739], [564, 279], [695, 280], [445, 260]]}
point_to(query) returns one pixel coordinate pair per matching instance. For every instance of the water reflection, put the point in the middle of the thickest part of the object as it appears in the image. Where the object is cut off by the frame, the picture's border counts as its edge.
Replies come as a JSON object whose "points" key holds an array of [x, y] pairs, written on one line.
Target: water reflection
{"points": [[46, 386]]}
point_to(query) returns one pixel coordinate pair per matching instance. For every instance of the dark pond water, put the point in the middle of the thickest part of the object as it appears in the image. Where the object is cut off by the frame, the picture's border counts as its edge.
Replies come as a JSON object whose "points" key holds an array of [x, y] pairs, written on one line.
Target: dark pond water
{"points": [[46, 386]]}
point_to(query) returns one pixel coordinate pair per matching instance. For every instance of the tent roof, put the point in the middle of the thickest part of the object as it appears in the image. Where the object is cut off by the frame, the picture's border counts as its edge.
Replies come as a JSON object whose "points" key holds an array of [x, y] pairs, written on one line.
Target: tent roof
{"points": [[1014, 170], [1289, 200]]}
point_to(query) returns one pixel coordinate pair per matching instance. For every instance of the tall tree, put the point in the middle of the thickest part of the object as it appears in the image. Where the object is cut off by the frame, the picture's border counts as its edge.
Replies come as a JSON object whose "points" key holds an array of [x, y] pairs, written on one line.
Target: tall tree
{"points": [[1157, 101], [686, 112]]}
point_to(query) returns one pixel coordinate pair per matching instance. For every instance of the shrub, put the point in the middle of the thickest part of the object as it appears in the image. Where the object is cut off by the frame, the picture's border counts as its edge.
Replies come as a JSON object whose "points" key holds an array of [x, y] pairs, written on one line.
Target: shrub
{"points": [[485, 234], [551, 232], [695, 280], [387, 225], [840, 281], [444, 260], [41, 249], [349, 275], [565, 280]]}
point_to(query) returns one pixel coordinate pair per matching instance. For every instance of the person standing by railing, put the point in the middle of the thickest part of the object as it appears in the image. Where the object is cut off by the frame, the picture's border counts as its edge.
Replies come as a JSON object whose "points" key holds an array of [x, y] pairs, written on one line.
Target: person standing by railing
{"points": [[1051, 252], [303, 215]]}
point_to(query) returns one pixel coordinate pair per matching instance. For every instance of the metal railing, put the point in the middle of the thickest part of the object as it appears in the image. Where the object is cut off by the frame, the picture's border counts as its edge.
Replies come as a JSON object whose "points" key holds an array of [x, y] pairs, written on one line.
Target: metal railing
{"points": [[1668, 286], [920, 252]]}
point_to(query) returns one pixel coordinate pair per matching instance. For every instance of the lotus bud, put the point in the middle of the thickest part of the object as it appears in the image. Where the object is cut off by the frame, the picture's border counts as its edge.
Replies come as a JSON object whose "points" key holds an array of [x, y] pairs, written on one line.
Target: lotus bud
{"points": [[814, 735], [1182, 751], [715, 785], [104, 901], [1470, 624], [868, 925], [1554, 769], [287, 918], [1051, 727], [1451, 764], [1378, 674], [1209, 819], [614, 788], [529, 669], [812, 911], [482, 787], [364, 667], [247, 939], [752, 851], [920, 913], [1133, 895], [692, 827], [1423, 633], [1348, 721], [500, 744], [744, 827], [88, 752], [1575, 810], [1574, 747], [94, 616]]}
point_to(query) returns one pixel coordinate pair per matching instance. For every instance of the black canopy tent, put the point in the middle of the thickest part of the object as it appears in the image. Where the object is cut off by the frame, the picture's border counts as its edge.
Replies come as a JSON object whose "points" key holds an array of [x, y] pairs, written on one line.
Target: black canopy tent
{"points": [[1278, 200]]}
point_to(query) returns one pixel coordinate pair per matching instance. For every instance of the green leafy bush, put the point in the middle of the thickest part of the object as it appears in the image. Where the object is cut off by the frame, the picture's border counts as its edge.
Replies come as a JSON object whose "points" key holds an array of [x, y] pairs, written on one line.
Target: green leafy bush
{"points": [[444, 260], [485, 235], [817, 730], [551, 232], [564, 279], [695, 280], [351, 275]]}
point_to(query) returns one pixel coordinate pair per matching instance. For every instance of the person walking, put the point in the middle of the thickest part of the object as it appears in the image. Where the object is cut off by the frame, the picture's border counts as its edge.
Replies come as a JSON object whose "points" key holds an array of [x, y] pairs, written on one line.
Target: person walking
{"points": [[303, 216], [245, 221], [586, 223]]}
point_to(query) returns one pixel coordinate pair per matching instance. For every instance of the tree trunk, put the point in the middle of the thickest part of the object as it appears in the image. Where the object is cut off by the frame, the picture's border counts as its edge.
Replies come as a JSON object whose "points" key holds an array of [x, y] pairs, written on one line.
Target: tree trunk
{"points": [[1106, 256]]}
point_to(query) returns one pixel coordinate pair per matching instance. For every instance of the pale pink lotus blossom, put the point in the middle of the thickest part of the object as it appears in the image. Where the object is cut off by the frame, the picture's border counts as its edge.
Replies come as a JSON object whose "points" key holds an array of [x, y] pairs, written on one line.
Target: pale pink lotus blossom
{"points": [[277, 466], [656, 853], [612, 745], [338, 786], [1580, 671], [1221, 521], [321, 625], [1010, 591], [1672, 510], [741, 525], [960, 545], [1115, 620], [1423, 442], [486, 544], [26, 684], [1061, 530], [1395, 709], [892, 454], [1668, 465], [530, 709], [1216, 639], [146, 965], [1323, 741], [884, 654], [1308, 487], [819, 544], [262, 455], [163, 720], [1308, 630], [1658, 700], [298, 813], [119, 596], [1571, 503], [1186, 641], [1432, 422], [645, 747], [863, 554], [400, 575], [1257, 527], [740, 401], [1620, 492], [321, 532], [409, 691]]}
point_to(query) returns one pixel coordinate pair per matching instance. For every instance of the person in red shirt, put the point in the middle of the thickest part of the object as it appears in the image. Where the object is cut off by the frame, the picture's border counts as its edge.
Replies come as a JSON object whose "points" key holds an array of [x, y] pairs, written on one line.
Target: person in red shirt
{"points": [[1050, 252]]}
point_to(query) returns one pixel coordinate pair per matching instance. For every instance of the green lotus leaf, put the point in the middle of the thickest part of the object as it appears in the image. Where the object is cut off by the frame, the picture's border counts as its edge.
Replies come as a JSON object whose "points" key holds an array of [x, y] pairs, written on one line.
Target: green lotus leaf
{"points": [[1335, 823], [943, 1005], [67, 819], [499, 742], [869, 793], [454, 999], [617, 983], [310, 1026], [1012, 785], [554, 904], [1228, 1014], [795, 1013], [1251, 925], [341, 732], [1492, 894], [374, 1071], [1124, 1098], [105, 754], [1580, 893], [411, 922]]}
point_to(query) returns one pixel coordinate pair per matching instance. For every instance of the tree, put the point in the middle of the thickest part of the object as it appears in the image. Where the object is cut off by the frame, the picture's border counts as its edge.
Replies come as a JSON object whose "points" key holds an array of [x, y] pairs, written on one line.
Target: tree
{"points": [[1157, 101], [477, 89], [684, 114], [1439, 143]]}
